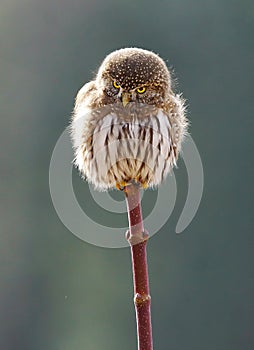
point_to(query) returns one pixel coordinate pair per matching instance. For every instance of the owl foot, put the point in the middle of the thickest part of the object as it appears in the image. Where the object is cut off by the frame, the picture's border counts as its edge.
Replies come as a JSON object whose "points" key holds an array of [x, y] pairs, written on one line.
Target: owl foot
{"points": [[121, 185], [144, 185]]}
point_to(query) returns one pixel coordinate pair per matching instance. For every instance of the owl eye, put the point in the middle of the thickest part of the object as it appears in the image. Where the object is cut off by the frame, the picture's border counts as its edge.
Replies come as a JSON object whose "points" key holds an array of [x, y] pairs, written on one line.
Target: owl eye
{"points": [[116, 85], [141, 90]]}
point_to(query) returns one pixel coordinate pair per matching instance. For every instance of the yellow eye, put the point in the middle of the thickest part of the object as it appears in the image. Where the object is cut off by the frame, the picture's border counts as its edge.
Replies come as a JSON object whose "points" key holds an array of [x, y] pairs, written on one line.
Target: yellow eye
{"points": [[117, 86], [141, 90]]}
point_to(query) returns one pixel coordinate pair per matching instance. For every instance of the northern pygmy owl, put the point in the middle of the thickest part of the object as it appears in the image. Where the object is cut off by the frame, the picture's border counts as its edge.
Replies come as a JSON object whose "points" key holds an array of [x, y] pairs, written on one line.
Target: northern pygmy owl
{"points": [[127, 124]]}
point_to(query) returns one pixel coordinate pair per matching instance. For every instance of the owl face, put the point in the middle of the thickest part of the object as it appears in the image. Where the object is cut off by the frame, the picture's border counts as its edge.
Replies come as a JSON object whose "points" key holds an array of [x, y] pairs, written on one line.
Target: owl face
{"points": [[133, 75]]}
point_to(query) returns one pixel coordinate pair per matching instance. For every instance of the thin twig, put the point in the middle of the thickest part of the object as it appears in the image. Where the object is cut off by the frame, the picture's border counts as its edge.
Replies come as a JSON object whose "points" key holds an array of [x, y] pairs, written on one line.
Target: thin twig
{"points": [[137, 238]]}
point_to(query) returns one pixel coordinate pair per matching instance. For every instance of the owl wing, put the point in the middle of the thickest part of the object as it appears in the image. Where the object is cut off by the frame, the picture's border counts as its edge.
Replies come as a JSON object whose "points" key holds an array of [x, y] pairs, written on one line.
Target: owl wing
{"points": [[84, 96], [178, 121]]}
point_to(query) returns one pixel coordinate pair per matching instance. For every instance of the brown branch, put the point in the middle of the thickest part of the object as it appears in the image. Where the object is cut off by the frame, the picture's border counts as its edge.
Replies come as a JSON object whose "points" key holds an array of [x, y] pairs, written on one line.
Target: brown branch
{"points": [[137, 238]]}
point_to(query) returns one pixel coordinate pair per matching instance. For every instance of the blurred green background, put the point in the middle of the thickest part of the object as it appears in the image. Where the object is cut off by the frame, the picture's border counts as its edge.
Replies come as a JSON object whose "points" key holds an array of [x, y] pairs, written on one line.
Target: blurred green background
{"points": [[57, 292]]}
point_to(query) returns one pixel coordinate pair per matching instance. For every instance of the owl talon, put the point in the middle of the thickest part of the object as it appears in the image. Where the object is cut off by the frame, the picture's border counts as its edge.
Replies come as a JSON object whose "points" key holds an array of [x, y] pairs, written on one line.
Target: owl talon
{"points": [[144, 185], [120, 186]]}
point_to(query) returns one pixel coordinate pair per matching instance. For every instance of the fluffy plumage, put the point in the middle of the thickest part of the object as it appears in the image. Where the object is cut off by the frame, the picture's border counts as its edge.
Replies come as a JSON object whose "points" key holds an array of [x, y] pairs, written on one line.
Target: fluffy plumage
{"points": [[127, 124]]}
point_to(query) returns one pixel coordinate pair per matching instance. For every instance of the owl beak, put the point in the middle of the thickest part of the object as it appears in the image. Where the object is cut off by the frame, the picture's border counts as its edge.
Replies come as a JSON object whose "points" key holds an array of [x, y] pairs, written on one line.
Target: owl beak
{"points": [[125, 98]]}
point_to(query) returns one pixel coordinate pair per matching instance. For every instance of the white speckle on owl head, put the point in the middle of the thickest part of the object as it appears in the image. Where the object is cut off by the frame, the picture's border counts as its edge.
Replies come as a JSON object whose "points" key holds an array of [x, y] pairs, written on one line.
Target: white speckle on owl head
{"points": [[133, 67]]}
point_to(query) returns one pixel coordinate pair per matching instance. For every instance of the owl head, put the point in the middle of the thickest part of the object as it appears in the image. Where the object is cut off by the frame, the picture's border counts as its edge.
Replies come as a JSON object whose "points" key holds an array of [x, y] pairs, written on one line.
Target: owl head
{"points": [[133, 75]]}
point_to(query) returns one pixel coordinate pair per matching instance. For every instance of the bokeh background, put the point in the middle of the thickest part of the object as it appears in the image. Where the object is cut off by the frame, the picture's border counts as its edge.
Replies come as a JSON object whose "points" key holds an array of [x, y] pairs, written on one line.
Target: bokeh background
{"points": [[57, 292]]}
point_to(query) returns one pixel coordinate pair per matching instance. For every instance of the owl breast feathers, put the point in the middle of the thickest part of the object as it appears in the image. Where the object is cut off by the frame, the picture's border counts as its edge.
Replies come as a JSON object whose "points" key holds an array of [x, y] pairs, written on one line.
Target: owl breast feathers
{"points": [[127, 124]]}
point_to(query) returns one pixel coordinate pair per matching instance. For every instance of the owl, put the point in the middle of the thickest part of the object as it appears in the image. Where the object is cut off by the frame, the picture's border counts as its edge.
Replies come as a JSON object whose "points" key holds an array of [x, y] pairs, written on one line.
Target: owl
{"points": [[127, 124]]}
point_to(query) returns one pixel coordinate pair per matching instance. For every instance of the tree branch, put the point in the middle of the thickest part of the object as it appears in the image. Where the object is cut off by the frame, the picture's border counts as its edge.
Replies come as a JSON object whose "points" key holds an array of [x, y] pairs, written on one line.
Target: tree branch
{"points": [[137, 238]]}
